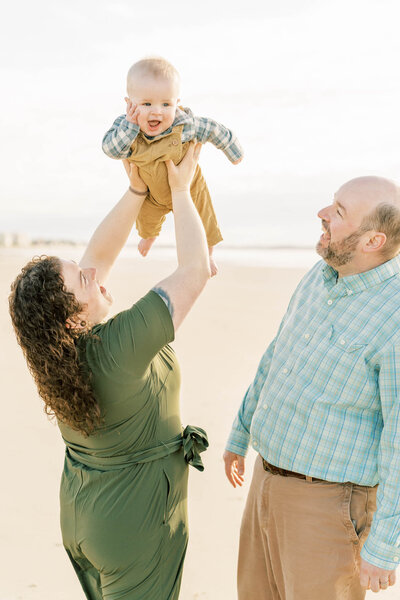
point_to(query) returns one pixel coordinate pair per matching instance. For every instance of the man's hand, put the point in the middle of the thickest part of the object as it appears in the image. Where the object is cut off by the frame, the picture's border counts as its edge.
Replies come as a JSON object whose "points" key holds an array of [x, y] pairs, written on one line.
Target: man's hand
{"points": [[234, 468], [132, 111], [375, 578]]}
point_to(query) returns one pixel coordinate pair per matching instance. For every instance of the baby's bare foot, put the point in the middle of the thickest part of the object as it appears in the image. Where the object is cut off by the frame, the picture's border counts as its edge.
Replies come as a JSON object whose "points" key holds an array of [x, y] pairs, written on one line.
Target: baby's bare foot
{"points": [[145, 244], [213, 267]]}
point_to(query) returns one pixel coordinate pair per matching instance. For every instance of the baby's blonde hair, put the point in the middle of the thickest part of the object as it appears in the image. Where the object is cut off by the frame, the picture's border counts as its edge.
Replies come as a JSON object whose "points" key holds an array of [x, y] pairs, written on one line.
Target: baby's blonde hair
{"points": [[155, 66]]}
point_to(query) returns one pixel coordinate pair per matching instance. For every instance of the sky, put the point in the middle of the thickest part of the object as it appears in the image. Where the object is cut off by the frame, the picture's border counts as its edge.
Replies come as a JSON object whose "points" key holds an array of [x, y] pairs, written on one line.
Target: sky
{"points": [[310, 87]]}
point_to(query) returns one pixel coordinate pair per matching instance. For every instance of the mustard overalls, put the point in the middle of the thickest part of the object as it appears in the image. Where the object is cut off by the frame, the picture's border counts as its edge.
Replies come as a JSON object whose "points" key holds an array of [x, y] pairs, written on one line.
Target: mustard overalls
{"points": [[149, 155]]}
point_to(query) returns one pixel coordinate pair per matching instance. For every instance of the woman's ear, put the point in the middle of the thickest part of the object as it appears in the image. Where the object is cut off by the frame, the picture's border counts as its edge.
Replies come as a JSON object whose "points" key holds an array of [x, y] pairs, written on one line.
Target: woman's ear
{"points": [[78, 325]]}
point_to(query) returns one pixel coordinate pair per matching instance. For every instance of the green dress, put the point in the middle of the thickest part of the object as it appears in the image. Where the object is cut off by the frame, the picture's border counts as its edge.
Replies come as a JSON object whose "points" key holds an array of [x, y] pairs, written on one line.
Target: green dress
{"points": [[124, 488]]}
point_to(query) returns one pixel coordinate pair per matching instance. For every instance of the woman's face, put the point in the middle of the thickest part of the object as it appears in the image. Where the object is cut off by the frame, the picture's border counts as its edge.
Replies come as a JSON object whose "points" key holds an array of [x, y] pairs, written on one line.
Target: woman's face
{"points": [[87, 290]]}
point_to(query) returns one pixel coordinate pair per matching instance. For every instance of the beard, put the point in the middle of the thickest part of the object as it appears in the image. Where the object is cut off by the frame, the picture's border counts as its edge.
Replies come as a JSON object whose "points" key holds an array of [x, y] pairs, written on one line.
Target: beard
{"points": [[337, 254]]}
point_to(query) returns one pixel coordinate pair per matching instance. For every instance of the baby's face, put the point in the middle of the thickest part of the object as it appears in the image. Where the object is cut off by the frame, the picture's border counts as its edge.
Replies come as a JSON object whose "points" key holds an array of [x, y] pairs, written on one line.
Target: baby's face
{"points": [[156, 100]]}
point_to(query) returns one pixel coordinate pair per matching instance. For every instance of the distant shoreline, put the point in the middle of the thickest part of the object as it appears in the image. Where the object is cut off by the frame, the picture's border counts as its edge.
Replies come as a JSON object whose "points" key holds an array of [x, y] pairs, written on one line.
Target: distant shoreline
{"points": [[273, 256], [223, 246]]}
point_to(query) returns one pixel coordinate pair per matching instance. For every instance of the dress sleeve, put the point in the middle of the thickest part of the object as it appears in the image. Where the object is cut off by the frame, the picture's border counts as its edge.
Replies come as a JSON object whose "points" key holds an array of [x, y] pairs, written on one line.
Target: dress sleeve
{"points": [[134, 336]]}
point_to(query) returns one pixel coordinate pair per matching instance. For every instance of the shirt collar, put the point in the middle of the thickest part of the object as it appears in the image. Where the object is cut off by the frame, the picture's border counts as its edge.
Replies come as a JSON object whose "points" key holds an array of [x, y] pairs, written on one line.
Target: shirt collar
{"points": [[182, 116], [362, 281]]}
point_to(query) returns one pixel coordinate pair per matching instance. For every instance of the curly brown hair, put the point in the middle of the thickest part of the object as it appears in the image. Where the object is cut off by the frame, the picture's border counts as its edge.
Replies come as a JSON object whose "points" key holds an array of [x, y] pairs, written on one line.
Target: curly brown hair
{"points": [[40, 306]]}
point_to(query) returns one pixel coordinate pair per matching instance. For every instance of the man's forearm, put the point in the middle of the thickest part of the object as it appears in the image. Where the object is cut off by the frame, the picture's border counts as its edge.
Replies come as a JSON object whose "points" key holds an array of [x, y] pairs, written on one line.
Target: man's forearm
{"points": [[238, 440], [382, 547]]}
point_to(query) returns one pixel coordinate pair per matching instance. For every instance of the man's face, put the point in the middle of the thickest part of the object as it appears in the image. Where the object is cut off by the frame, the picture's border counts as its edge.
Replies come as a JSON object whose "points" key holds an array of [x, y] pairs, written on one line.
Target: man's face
{"points": [[341, 226], [156, 100]]}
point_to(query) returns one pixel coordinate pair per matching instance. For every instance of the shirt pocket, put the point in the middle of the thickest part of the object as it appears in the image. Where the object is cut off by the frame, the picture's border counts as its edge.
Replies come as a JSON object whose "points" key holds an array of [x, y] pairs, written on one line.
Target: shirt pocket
{"points": [[345, 360], [348, 344]]}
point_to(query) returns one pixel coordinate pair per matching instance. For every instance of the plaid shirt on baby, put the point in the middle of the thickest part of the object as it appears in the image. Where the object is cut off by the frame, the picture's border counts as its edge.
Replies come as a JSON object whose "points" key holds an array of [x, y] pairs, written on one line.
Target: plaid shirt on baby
{"points": [[325, 401], [118, 140]]}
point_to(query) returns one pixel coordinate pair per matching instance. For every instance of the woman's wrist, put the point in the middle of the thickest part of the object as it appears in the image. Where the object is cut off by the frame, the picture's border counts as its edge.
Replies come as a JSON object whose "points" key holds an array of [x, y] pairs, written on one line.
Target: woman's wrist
{"points": [[138, 192], [180, 190]]}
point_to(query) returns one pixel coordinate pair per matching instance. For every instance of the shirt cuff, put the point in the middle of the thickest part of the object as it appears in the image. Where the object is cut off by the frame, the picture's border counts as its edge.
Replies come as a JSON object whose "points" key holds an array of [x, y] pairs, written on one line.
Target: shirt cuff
{"points": [[381, 555], [129, 127], [238, 442], [234, 151]]}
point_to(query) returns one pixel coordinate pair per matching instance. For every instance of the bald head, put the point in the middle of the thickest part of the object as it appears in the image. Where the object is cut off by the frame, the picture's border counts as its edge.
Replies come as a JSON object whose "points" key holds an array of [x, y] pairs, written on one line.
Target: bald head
{"points": [[378, 204], [372, 191]]}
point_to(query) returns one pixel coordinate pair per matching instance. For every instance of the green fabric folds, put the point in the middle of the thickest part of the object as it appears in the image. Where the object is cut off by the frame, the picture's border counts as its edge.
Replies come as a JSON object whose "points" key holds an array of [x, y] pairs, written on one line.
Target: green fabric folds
{"points": [[193, 439]]}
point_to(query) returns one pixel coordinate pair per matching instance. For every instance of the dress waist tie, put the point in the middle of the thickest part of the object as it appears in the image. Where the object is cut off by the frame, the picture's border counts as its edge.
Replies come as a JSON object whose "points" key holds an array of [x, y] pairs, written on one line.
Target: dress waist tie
{"points": [[193, 439]]}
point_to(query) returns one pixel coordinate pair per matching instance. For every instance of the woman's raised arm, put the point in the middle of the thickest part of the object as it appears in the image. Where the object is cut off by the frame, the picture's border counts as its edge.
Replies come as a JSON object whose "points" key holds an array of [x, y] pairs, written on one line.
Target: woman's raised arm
{"points": [[110, 236], [181, 289]]}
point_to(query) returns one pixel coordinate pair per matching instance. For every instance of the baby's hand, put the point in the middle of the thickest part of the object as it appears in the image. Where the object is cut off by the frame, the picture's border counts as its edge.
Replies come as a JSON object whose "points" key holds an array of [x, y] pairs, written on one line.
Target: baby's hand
{"points": [[238, 161], [132, 111]]}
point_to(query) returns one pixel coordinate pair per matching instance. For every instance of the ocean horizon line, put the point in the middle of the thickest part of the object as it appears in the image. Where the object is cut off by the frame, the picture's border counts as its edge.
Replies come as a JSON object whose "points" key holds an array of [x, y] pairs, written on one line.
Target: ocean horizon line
{"points": [[168, 246]]}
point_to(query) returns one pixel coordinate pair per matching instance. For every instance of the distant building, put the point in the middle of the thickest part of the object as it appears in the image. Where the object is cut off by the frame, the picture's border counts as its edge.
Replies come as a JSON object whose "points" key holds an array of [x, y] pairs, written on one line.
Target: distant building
{"points": [[8, 239], [21, 239]]}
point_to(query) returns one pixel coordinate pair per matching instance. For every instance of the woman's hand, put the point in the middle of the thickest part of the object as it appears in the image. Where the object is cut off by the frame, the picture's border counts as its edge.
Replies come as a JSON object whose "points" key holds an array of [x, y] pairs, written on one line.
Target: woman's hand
{"points": [[180, 176], [135, 180]]}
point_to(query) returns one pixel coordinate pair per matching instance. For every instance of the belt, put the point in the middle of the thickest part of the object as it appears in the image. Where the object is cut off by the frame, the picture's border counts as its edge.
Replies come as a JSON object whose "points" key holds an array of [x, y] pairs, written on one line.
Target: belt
{"points": [[193, 439], [285, 473]]}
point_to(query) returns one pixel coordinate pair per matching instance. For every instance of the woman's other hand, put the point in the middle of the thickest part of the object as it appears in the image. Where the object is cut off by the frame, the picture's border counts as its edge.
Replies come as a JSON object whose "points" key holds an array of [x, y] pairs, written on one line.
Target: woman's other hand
{"points": [[135, 180], [180, 176]]}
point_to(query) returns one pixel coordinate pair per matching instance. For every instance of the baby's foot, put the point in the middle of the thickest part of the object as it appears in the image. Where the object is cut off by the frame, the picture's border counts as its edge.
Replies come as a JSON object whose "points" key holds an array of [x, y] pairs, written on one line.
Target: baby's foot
{"points": [[213, 267], [145, 244]]}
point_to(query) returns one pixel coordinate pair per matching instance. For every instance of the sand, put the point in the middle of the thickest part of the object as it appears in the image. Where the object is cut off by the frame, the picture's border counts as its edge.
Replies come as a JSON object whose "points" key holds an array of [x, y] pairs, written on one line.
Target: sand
{"points": [[219, 347]]}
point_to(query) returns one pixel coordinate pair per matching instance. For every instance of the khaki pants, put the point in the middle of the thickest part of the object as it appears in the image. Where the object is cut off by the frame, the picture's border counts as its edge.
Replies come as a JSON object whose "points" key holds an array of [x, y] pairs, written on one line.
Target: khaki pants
{"points": [[301, 540]]}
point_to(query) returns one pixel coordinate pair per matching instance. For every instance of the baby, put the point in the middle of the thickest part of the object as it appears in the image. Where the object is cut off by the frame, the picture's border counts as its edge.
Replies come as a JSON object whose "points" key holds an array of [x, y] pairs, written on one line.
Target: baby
{"points": [[155, 129]]}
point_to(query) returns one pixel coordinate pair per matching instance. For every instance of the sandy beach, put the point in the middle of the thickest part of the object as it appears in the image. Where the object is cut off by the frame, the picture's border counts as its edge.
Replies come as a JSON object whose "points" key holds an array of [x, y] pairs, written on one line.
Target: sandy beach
{"points": [[219, 347]]}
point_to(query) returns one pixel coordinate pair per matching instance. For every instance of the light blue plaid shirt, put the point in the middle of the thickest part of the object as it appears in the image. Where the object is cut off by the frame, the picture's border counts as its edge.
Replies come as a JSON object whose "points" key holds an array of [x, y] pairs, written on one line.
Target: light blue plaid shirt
{"points": [[325, 401], [118, 140]]}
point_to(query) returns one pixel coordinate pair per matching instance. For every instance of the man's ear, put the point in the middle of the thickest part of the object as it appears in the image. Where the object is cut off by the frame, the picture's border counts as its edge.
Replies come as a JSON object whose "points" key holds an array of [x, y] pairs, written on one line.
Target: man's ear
{"points": [[375, 242]]}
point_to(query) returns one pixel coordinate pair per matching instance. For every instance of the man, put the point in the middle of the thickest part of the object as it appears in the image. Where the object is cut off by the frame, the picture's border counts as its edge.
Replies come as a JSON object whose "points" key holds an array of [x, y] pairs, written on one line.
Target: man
{"points": [[323, 412]]}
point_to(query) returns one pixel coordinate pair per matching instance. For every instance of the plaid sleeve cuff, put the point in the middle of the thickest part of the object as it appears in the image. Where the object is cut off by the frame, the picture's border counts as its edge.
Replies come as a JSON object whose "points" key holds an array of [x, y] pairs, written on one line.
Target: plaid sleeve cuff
{"points": [[379, 554], [118, 140], [238, 442], [130, 128], [234, 151]]}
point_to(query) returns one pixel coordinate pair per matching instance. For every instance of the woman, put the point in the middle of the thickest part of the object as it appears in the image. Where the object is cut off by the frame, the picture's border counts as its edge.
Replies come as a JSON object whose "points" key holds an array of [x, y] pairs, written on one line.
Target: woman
{"points": [[114, 388]]}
